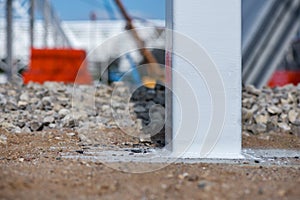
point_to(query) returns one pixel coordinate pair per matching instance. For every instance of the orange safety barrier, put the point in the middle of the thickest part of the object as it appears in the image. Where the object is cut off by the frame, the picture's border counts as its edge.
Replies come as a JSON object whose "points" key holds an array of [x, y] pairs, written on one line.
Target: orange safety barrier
{"points": [[284, 77], [61, 65]]}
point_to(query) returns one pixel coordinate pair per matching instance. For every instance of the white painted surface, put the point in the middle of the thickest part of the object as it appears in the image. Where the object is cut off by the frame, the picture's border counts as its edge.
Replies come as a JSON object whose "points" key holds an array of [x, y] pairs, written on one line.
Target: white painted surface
{"points": [[215, 25]]}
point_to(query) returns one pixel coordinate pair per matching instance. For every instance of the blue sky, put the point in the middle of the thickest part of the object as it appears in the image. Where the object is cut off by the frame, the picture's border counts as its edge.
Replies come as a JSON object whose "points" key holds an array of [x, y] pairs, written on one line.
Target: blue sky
{"points": [[81, 9]]}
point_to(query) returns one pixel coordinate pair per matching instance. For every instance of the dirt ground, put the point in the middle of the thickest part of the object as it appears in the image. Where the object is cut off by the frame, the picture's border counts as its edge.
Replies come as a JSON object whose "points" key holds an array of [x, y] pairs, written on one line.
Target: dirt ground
{"points": [[32, 167]]}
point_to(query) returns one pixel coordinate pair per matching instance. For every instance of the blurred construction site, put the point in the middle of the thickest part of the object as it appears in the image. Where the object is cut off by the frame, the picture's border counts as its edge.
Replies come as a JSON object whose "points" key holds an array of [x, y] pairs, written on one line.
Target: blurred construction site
{"points": [[36, 45]]}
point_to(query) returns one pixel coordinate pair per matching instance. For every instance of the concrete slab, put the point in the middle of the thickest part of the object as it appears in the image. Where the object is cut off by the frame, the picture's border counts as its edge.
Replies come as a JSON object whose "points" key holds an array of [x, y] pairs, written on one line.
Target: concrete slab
{"points": [[261, 157]]}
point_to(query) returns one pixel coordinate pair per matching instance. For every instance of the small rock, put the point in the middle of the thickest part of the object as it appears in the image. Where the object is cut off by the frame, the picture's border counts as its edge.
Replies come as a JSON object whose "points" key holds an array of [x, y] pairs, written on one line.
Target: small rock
{"points": [[178, 186], [70, 134], [282, 193], [260, 191], [46, 101], [145, 138], [83, 138], [170, 176], [63, 112], [204, 185], [36, 126], [183, 176], [3, 139], [192, 178], [68, 122], [3, 100], [11, 105], [272, 126], [164, 186], [283, 117], [17, 130], [284, 127], [79, 151], [259, 128], [139, 109], [294, 117], [25, 129], [22, 104], [286, 107], [264, 137], [295, 130], [24, 97], [274, 110], [252, 90], [136, 150], [247, 114], [48, 120], [20, 123], [7, 126], [261, 119], [52, 125]]}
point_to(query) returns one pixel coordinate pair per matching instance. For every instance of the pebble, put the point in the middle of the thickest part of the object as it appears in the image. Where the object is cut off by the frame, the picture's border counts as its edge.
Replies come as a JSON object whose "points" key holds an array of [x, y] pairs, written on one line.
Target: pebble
{"points": [[204, 185], [63, 112], [282, 192], [24, 97], [261, 119], [274, 110], [71, 134], [79, 151], [68, 122], [22, 104], [36, 126], [164, 186], [252, 90], [48, 120], [83, 138], [294, 117], [46, 101], [3, 139], [183, 176], [139, 109], [3, 100], [284, 127], [192, 178]]}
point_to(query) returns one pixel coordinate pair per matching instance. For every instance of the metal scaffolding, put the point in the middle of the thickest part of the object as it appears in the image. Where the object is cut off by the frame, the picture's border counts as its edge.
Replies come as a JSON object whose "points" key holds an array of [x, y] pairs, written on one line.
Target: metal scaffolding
{"points": [[26, 9]]}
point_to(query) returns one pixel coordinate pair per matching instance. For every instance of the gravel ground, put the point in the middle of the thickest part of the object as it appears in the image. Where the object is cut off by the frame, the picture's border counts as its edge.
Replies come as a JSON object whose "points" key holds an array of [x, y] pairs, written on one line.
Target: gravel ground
{"points": [[35, 107], [52, 106], [32, 167], [40, 123], [271, 110]]}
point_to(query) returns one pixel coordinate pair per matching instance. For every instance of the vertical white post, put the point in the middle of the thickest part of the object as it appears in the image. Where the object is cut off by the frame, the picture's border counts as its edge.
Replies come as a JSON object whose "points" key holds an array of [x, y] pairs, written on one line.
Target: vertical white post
{"points": [[205, 78]]}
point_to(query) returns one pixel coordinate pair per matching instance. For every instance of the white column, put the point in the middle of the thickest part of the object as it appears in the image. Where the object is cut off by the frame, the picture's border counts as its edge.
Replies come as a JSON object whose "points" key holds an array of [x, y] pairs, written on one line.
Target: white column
{"points": [[206, 78]]}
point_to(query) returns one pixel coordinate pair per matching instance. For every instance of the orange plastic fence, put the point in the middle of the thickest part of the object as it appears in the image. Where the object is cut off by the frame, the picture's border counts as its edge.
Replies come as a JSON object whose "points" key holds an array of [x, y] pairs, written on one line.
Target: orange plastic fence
{"points": [[284, 77], [61, 65]]}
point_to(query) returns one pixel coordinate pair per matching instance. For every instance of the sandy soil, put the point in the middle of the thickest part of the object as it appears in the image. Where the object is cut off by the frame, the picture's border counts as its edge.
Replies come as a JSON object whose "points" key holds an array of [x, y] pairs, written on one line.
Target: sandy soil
{"points": [[31, 167]]}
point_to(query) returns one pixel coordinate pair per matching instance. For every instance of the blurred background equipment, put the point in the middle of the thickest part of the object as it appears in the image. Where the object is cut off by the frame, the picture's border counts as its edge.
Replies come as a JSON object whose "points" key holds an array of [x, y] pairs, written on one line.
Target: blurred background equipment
{"points": [[36, 26], [270, 27], [154, 70], [61, 65], [270, 37]]}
